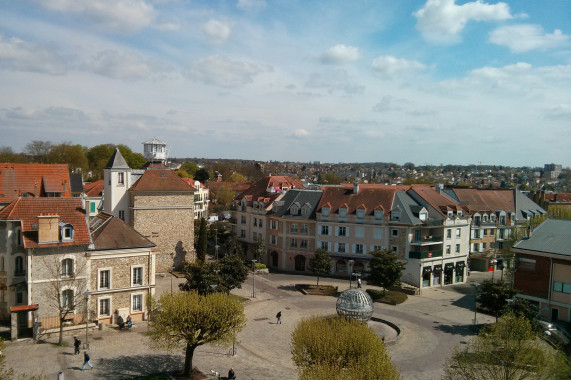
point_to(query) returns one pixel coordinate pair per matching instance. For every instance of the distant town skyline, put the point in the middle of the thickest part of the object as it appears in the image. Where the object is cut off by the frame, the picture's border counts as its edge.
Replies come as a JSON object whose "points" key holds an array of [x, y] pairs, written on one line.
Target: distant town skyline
{"points": [[429, 82]]}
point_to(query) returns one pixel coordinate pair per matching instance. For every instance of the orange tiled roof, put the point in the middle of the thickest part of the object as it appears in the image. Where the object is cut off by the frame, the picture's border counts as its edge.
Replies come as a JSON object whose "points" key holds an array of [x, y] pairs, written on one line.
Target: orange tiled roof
{"points": [[160, 179], [235, 186], [368, 197], [558, 197], [484, 200], [94, 189], [27, 210], [269, 186], [439, 201], [189, 181], [33, 180]]}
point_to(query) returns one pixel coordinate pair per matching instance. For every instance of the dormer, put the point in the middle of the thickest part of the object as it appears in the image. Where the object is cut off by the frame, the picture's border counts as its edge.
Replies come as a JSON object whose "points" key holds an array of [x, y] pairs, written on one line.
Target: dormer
{"points": [[512, 218], [360, 212], [395, 214], [326, 209], [342, 211], [493, 218], [477, 219], [423, 215], [485, 218], [305, 209], [450, 214], [459, 213], [66, 231], [378, 213], [294, 208]]}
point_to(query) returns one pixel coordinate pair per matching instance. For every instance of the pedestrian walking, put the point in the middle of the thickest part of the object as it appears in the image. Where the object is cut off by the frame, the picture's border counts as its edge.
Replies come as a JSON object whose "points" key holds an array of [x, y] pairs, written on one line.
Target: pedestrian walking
{"points": [[279, 317], [86, 359], [76, 345], [359, 282], [231, 374]]}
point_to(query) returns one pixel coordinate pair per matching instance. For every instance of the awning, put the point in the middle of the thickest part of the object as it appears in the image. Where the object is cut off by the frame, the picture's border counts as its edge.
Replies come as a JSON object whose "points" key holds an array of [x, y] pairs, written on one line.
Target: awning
{"points": [[448, 266], [15, 309], [438, 268], [460, 265], [426, 270]]}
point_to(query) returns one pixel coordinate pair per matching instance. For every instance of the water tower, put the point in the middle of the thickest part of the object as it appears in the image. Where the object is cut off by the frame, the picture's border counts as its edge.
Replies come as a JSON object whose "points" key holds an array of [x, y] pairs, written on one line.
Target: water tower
{"points": [[155, 151]]}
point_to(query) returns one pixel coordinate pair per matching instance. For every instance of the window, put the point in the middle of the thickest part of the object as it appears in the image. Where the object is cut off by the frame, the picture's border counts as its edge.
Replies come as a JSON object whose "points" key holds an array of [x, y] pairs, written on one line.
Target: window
{"points": [[104, 306], [137, 302], [567, 288], [67, 299], [243, 219], [138, 276], [294, 210], [485, 218], [492, 246], [394, 233], [342, 212], [476, 234], [423, 216], [448, 233], [303, 244], [104, 278], [260, 223], [341, 247], [121, 178], [417, 235], [359, 248], [19, 268], [378, 214], [273, 239], [359, 232], [254, 235], [91, 206], [19, 297], [304, 228], [19, 235], [255, 222], [395, 249], [293, 243], [485, 232], [342, 231], [483, 246], [492, 218], [274, 225], [447, 249], [502, 220], [325, 211], [526, 264], [477, 220], [360, 213], [325, 245], [305, 210], [501, 233], [293, 228], [67, 267], [2, 263], [378, 233], [377, 248], [458, 231], [324, 230], [457, 248], [242, 233], [557, 286], [122, 215]]}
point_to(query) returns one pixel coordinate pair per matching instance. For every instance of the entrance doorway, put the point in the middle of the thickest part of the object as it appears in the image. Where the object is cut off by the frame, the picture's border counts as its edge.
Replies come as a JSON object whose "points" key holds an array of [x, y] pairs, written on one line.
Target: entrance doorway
{"points": [[554, 314], [300, 263], [274, 259]]}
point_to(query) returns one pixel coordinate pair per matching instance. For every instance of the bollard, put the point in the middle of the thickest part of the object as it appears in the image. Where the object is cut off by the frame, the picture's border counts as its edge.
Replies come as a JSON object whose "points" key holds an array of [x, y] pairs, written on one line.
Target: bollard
{"points": [[60, 375]]}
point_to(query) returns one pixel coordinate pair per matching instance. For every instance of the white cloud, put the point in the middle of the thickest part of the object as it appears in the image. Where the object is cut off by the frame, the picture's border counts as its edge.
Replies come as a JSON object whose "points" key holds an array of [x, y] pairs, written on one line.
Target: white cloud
{"points": [[389, 65], [120, 65], [221, 71], [340, 54], [334, 81], [120, 15], [562, 111], [18, 55], [299, 133], [522, 38], [251, 5], [442, 21], [167, 26], [217, 31]]}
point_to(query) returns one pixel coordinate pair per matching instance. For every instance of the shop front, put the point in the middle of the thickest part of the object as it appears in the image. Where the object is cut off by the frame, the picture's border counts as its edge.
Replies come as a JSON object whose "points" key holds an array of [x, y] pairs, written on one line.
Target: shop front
{"points": [[448, 273], [460, 267], [426, 275], [437, 275]]}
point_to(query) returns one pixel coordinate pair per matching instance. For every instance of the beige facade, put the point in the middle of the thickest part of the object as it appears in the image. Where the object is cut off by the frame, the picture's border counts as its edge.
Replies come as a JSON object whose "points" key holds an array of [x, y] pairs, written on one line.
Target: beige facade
{"points": [[167, 219]]}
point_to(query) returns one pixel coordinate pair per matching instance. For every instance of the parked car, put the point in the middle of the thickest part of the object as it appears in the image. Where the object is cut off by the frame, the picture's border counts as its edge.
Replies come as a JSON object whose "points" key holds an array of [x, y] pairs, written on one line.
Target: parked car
{"points": [[554, 333]]}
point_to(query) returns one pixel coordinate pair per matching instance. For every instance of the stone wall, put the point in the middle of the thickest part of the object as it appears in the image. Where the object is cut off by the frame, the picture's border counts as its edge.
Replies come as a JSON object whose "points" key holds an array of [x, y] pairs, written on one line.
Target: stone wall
{"points": [[167, 219]]}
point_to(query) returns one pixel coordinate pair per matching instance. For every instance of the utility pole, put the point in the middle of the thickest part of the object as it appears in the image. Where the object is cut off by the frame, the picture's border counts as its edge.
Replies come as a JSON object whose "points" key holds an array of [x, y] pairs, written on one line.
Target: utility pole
{"points": [[86, 319]]}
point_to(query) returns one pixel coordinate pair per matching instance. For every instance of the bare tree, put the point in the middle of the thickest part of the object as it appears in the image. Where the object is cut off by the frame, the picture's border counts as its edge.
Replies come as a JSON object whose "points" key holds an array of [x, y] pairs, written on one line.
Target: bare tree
{"points": [[67, 286], [38, 150]]}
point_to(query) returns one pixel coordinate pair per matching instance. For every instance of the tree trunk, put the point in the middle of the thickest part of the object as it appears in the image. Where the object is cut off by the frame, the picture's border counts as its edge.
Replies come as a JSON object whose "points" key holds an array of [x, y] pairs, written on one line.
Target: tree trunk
{"points": [[188, 360], [317, 280], [61, 331]]}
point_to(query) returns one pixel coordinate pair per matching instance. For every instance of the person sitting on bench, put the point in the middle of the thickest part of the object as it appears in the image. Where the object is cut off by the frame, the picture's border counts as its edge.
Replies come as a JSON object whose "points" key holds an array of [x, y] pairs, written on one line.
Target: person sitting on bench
{"points": [[120, 322]]}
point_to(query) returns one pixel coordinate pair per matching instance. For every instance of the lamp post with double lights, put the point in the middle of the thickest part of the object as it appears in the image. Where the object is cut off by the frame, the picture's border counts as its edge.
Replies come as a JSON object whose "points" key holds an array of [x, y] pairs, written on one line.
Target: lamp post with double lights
{"points": [[86, 320], [254, 278]]}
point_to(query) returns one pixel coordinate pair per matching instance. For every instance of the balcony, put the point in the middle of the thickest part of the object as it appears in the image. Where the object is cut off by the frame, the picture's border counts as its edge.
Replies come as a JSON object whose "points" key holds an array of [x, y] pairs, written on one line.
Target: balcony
{"points": [[425, 254], [428, 240]]}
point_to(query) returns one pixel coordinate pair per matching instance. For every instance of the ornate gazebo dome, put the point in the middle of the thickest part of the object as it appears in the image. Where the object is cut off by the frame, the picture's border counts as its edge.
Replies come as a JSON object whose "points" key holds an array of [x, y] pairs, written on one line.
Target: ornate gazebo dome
{"points": [[355, 304]]}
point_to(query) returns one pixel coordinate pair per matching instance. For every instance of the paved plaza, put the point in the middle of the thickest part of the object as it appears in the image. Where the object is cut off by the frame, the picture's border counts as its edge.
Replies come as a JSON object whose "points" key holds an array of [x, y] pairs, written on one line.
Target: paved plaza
{"points": [[431, 325]]}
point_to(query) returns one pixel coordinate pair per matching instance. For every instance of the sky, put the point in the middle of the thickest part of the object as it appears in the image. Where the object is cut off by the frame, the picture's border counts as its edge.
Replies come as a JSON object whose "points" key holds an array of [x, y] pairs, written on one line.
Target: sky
{"points": [[428, 82]]}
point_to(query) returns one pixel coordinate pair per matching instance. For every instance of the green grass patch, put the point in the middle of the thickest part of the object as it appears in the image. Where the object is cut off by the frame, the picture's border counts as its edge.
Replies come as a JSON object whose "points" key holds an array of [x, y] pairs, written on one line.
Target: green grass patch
{"points": [[321, 290], [390, 297]]}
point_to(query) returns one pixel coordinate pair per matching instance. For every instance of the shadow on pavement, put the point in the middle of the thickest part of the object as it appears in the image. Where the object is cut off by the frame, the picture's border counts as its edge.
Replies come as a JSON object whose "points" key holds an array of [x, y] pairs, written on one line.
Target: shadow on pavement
{"points": [[126, 367], [466, 302], [463, 330], [290, 288]]}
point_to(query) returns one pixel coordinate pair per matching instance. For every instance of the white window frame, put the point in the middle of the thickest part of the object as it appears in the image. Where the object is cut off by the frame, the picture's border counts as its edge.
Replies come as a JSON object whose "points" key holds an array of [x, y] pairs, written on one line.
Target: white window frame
{"points": [[99, 299], [359, 249], [304, 228], [99, 270], [66, 274], [65, 289], [121, 178], [133, 295], [458, 232], [326, 227], [448, 250], [325, 211], [360, 213], [293, 228], [133, 267], [344, 229], [342, 212]]}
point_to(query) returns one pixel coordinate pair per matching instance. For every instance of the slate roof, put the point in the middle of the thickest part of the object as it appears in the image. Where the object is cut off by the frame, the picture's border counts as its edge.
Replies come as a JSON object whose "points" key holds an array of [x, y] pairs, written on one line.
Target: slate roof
{"points": [[27, 210], [526, 207], [117, 161], [301, 197], [160, 179], [369, 197], [109, 232], [94, 189], [409, 208], [28, 179], [551, 236], [76, 181]]}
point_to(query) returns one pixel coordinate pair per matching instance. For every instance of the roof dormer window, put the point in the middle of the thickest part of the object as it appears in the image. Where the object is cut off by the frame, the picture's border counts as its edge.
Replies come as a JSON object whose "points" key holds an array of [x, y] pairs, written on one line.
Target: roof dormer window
{"points": [[378, 214], [294, 209], [450, 214], [325, 211], [305, 209], [423, 216], [459, 213], [342, 212], [360, 213], [66, 231]]}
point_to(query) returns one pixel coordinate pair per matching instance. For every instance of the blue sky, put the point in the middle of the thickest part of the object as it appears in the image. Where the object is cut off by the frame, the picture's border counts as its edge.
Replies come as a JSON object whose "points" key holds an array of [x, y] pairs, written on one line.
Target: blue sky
{"points": [[437, 81]]}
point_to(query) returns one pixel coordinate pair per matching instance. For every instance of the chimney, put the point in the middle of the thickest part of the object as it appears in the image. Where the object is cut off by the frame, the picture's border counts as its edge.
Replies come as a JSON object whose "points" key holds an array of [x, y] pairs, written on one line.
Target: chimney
{"points": [[48, 228], [35, 189], [355, 187]]}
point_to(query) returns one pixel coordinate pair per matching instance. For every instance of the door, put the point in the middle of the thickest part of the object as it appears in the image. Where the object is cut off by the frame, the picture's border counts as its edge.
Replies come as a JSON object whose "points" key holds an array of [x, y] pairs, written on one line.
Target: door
{"points": [[554, 314]]}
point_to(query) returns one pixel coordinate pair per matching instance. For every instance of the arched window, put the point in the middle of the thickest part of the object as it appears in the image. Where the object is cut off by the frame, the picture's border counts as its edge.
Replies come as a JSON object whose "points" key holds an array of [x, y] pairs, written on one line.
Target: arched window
{"points": [[19, 271], [67, 267], [67, 299], [341, 266]]}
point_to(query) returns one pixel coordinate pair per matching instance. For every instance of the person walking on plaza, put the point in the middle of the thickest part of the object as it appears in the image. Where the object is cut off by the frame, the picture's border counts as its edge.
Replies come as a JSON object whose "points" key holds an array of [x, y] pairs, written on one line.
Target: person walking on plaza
{"points": [[231, 374], [86, 359], [359, 282], [279, 317], [76, 344]]}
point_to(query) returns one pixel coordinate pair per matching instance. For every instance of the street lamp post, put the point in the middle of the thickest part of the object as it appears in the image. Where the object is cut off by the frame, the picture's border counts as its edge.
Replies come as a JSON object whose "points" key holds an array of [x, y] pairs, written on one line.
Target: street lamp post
{"points": [[86, 319], [493, 262], [254, 278], [476, 304]]}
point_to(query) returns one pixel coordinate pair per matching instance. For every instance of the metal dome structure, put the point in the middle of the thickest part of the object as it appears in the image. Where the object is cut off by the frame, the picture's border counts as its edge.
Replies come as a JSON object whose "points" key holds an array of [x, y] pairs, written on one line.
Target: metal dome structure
{"points": [[355, 304]]}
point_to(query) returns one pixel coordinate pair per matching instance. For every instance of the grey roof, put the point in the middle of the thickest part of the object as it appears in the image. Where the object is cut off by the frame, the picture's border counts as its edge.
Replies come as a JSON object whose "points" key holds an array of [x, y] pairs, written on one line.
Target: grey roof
{"points": [[155, 141], [301, 197], [76, 183], [408, 208], [117, 161], [551, 236], [525, 207]]}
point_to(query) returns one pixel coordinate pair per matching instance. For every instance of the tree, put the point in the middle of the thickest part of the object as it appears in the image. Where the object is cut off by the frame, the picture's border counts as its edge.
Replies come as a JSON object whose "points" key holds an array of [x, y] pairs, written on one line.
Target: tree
{"points": [[339, 348], [66, 289], [202, 240], [190, 168], [224, 196], [200, 277], [134, 160], [188, 320], [520, 307], [234, 246], [72, 155], [236, 177], [202, 175], [320, 264], [507, 350], [38, 150], [493, 296], [226, 274], [260, 249], [232, 272], [386, 270], [8, 155]]}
